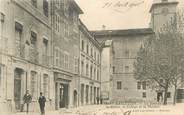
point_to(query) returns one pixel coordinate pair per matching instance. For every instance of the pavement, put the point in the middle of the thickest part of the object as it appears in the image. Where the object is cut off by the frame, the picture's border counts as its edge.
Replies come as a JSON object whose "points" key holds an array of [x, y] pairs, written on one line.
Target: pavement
{"points": [[127, 109]]}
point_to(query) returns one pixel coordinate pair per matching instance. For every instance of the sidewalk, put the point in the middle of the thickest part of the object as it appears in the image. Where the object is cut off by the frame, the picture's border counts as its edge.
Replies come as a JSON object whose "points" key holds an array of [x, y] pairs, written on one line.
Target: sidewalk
{"points": [[82, 110]]}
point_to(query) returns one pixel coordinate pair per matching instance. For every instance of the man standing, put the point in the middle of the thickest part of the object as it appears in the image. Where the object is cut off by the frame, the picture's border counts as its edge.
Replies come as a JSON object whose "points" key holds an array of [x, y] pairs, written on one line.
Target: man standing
{"points": [[27, 99], [42, 101]]}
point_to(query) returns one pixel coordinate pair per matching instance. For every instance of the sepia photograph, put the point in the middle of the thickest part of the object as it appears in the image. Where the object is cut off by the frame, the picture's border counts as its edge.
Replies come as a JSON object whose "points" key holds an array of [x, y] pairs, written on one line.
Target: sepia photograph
{"points": [[91, 57]]}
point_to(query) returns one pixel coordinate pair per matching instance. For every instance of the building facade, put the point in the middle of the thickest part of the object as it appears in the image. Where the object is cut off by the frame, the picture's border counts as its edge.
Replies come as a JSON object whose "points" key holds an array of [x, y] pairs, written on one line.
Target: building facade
{"points": [[125, 45], [106, 74], [90, 60], [65, 36], [25, 53], [119, 75]]}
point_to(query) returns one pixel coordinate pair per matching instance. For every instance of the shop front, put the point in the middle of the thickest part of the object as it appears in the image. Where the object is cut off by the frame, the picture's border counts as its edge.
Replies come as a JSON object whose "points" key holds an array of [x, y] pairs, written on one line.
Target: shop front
{"points": [[62, 89]]}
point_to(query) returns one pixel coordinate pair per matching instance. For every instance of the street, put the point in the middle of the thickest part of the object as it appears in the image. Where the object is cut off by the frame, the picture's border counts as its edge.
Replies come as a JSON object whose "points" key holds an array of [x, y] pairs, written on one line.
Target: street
{"points": [[127, 109]]}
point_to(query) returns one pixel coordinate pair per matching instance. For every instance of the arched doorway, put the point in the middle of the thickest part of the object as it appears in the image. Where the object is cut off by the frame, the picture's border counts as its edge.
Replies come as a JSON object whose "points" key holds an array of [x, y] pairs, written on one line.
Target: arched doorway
{"points": [[75, 98]]}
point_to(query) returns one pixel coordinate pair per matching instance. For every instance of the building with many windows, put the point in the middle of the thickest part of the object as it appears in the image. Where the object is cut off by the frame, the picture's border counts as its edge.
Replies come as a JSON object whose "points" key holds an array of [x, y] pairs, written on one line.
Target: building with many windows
{"points": [[65, 51], [25, 53], [119, 53], [90, 59], [123, 52]]}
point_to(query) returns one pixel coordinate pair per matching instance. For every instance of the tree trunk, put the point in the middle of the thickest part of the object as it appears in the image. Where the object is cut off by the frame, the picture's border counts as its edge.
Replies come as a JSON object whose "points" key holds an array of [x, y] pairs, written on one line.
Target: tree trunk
{"points": [[165, 94], [174, 100]]}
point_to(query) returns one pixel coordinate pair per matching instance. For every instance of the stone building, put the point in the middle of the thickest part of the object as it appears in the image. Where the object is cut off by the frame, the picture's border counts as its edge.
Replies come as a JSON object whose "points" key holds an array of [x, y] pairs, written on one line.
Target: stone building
{"points": [[90, 60], [65, 36], [122, 53], [25, 53], [124, 47]]}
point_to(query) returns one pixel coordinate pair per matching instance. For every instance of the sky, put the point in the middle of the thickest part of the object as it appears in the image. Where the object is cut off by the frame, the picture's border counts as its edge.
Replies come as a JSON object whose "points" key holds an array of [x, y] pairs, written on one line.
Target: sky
{"points": [[117, 14]]}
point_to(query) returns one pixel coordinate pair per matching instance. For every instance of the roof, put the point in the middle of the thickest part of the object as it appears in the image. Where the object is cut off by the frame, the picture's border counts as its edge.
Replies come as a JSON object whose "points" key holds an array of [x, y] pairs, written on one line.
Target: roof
{"points": [[85, 30], [162, 3], [126, 32], [76, 6]]}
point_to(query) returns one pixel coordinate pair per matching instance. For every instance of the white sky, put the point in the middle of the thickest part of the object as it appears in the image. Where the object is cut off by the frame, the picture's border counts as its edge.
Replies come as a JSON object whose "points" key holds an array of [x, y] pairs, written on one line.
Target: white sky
{"points": [[113, 17]]}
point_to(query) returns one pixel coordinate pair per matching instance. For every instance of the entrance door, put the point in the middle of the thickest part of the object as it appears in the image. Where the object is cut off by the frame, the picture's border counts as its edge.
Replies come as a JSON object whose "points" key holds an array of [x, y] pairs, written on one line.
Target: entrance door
{"points": [[159, 97], [17, 88], [63, 96]]}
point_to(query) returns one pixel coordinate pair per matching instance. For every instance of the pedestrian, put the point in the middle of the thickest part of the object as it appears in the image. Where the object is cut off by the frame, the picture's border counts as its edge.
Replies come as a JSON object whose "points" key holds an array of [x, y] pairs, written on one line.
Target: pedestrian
{"points": [[42, 101], [27, 100]]}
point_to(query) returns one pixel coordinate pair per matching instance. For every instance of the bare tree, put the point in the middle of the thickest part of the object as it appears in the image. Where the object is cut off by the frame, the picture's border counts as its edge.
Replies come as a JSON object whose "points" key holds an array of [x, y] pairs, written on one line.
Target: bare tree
{"points": [[161, 60]]}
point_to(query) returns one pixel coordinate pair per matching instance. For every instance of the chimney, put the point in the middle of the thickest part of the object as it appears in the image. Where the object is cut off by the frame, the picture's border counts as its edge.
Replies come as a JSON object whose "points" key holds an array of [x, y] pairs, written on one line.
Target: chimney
{"points": [[103, 27], [164, 0]]}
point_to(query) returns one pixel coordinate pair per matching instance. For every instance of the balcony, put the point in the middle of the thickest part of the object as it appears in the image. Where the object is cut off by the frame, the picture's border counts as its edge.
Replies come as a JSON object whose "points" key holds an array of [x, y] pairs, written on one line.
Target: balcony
{"points": [[45, 60], [33, 55]]}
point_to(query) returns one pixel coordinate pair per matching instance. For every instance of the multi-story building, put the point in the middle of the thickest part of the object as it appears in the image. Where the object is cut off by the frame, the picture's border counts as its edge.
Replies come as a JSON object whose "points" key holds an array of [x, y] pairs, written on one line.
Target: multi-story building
{"points": [[25, 51], [65, 47], [122, 54], [117, 81], [90, 59]]}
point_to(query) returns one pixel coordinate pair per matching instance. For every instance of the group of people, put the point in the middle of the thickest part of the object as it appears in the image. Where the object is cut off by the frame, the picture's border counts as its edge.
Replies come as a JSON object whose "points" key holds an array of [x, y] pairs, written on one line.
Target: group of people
{"points": [[28, 98]]}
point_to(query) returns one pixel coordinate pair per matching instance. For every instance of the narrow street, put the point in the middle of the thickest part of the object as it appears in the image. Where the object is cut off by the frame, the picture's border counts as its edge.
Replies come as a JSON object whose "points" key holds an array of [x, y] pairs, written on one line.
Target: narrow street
{"points": [[117, 110]]}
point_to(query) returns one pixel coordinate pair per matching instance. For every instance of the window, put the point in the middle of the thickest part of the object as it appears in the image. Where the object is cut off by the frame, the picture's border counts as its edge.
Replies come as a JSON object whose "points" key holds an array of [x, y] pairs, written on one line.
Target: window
{"points": [[62, 56], [168, 94], [66, 61], [119, 85], [139, 85], [87, 48], [18, 38], [92, 52], [34, 3], [57, 22], [76, 64], [91, 72], [45, 48], [97, 74], [45, 7], [62, 4], [82, 67], [113, 69], [126, 69], [82, 45], [144, 85], [45, 85], [144, 94], [56, 57], [87, 70], [33, 83]]}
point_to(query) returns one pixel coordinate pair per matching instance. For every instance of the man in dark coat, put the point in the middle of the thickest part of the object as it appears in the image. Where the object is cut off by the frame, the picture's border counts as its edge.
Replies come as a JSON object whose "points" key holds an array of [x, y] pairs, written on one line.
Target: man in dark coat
{"points": [[42, 101], [27, 99]]}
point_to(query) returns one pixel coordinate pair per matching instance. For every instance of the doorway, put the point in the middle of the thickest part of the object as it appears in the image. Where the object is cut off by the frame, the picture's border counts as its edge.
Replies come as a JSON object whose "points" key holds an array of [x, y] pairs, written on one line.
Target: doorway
{"points": [[17, 87], [159, 97], [63, 95]]}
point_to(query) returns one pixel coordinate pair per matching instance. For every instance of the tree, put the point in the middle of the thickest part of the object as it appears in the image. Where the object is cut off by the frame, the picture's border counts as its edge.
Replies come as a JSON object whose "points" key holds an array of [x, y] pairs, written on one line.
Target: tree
{"points": [[160, 61]]}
